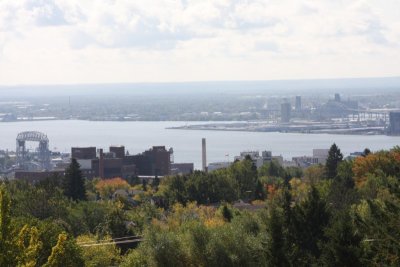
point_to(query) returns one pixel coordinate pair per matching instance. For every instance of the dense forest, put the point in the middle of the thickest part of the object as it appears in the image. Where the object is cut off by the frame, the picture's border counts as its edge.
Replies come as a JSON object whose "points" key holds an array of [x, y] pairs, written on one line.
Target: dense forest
{"points": [[344, 213]]}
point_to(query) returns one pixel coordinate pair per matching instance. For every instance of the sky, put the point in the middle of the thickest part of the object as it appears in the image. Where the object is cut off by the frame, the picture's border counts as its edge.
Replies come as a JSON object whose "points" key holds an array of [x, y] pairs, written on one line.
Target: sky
{"points": [[123, 41]]}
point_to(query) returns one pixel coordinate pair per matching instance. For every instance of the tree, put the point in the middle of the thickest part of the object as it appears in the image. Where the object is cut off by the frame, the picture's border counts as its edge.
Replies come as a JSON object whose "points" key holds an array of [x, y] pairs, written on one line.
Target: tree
{"points": [[107, 187], [276, 253], [341, 192], [74, 183], [144, 184], [156, 182], [366, 152], [227, 213], [272, 168], [309, 220], [245, 174], [333, 160], [66, 253], [260, 193], [314, 174], [96, 254], [6, 255], [343, 246], [29, 246]]}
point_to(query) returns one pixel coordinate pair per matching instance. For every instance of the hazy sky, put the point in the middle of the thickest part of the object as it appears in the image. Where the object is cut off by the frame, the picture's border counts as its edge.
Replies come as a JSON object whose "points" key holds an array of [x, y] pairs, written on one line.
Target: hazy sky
{"points": [[82, 41]]}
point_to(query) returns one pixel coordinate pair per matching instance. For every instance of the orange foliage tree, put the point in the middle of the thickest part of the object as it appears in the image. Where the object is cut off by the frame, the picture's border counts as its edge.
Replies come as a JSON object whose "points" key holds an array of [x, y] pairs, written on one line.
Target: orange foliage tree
{"points": [[383, 162], [107, 187]]}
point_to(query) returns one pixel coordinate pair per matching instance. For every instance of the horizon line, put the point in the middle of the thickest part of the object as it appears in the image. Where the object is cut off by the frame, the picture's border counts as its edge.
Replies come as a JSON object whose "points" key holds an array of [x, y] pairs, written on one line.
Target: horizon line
{"points": [[199, 81]]}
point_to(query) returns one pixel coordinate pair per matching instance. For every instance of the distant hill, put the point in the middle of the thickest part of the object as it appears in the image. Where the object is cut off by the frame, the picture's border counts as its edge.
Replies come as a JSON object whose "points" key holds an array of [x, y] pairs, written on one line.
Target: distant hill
{"points": [[276, 87]]}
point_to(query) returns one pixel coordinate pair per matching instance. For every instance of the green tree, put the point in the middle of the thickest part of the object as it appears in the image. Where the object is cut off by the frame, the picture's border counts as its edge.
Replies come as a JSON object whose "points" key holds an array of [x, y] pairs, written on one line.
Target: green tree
{"points": [[227, 213], [96, 254], [272, 168], [260, 193], [276, 253], [144, 184], [245, 174], [155, 182], [366, 152], [343, 246], [342, 193], [309, 220], [333, 160], [73, 182], [6, 248], [175, 189]]}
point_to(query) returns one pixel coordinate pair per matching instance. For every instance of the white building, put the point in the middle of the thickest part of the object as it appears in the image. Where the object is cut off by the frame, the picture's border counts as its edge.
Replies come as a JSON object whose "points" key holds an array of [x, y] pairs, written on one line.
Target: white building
{"points": [[319, 157], [255, 157]]}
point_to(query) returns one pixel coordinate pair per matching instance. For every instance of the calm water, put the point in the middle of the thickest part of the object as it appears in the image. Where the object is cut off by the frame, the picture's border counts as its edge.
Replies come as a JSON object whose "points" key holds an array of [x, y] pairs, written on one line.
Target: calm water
{"points": [[139, 136]]}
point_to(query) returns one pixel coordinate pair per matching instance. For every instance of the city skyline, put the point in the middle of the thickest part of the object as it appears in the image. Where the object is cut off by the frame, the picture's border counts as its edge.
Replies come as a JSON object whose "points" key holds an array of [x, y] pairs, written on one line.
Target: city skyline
{"points": [[67, 42]]}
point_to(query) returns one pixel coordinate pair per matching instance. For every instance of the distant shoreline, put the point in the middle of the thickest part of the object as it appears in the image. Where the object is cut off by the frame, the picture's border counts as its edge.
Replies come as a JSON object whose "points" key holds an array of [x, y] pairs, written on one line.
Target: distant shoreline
{"points": [[277, 128], [243, 126]]}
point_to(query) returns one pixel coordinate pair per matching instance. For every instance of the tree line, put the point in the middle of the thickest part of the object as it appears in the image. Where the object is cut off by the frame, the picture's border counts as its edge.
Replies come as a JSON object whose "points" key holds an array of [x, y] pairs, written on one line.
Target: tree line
{"points": [[343, 213]]}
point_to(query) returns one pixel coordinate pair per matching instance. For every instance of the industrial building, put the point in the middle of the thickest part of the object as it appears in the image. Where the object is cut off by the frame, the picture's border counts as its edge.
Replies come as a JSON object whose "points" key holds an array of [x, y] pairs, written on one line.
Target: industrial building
{"points": [[394, 123], [182, 168], [337, 108], [286, 109], [37, 176], [153, 162], [115, 163], [298, 107]]}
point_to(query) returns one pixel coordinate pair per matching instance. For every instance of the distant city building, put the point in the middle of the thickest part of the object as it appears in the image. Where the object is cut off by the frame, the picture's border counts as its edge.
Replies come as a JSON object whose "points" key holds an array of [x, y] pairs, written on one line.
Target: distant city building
{"points": [[119, 151], [218, 165], [37, 176], [83, 152], [115, 163], [155, 161], [286, 109], [305, 161], [354, 155], [258, 160], [394, 123], [182, 168], [298, 104], [337, 108], [319, 157], [204, 154]]}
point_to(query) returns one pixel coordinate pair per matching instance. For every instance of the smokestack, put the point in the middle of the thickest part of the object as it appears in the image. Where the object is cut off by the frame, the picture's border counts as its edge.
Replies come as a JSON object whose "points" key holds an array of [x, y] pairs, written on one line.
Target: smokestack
{"points": [[204, 154], [101, 163]]}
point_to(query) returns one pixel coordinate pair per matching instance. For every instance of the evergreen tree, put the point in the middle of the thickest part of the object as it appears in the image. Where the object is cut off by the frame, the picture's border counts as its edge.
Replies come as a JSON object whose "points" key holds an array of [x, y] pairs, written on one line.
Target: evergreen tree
{"points": [[342, 193], [333, 160], [144, 184], [227, 213], [343, 246], [309, 220], [156, 182], [366, 152], [276, 254], [74, 183], [260, 193]]}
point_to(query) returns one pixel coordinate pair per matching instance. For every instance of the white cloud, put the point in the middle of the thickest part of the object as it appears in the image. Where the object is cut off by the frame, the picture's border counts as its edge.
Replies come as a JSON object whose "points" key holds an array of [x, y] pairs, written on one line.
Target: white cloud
{"points": [[74, 41]]}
